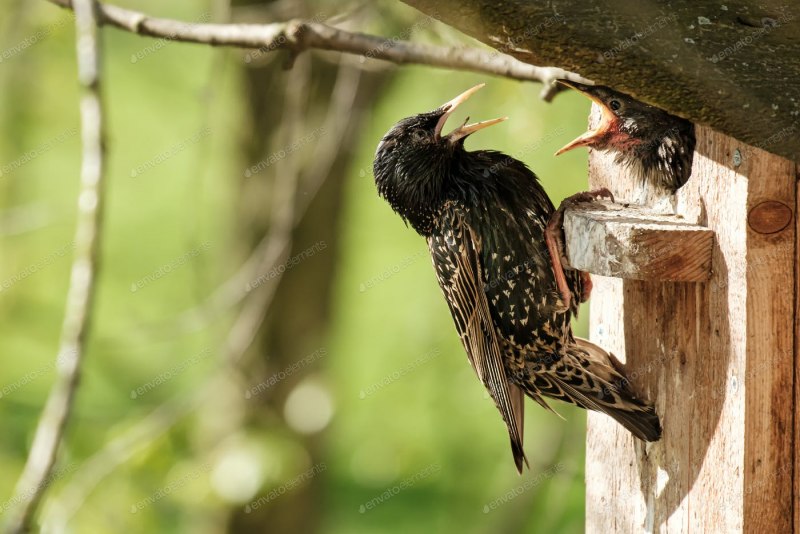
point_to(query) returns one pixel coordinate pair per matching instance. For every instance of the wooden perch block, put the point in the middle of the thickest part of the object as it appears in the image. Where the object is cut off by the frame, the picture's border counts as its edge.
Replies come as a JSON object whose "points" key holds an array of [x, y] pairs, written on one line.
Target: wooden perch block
{"points": [[611, 240]]}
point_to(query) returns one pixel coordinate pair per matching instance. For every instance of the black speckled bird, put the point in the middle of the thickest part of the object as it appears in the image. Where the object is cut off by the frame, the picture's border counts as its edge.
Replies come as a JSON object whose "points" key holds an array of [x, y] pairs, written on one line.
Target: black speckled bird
{"points": [[484, 215], [656, 146]]}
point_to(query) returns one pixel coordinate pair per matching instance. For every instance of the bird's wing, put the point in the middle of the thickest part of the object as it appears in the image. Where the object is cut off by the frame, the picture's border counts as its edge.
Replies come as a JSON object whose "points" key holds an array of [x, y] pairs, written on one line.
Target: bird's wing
{"points": [[456, 257]]}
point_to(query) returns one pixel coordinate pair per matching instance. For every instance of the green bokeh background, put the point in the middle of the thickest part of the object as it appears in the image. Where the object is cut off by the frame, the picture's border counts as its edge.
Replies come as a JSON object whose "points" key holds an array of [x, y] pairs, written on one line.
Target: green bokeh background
{"points": [[390, 324]]}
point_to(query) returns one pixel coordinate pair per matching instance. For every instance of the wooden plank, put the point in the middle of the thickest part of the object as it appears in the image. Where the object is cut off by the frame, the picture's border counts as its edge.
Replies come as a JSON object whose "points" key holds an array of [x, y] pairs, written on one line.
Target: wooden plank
{"points": [[717, 358], [631, 242], [769, 375], [796, 444]]}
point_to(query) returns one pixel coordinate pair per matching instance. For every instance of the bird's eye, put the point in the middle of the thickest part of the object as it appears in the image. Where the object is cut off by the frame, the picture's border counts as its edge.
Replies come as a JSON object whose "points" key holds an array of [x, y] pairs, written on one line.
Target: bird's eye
{"points": [[419, 134], [614, 105]]}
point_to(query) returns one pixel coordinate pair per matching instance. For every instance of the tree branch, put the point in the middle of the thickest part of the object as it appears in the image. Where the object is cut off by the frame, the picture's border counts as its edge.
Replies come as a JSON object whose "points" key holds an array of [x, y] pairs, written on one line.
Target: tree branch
{"points": [[38, 470], [297, 36]]}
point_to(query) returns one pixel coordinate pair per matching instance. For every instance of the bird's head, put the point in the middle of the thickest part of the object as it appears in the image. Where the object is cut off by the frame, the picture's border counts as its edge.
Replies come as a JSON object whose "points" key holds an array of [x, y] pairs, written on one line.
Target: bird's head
{"points": [[624, 121], [414, 160], [642, 135]]}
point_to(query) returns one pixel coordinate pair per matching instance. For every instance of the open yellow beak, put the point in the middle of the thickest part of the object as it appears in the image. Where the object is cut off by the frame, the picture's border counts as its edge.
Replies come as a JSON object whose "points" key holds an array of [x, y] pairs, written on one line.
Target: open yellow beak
{"points": [[465, 129], [607, 120]]}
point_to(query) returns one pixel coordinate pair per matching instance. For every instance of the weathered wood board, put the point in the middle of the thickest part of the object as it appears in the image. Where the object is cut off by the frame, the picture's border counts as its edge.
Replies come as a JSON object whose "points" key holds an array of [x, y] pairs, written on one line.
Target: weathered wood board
{"points": [[630, 242], [717, 357]]}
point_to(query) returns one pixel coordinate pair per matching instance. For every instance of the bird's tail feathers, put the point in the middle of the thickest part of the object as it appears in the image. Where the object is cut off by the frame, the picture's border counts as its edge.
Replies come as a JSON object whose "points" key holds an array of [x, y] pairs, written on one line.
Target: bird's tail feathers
{"points": [[594, 379]]}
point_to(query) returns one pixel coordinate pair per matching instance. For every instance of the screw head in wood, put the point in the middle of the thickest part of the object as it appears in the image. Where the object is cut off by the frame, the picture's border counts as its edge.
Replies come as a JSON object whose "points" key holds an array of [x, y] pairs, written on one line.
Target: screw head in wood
{"points": [[737, 158]]}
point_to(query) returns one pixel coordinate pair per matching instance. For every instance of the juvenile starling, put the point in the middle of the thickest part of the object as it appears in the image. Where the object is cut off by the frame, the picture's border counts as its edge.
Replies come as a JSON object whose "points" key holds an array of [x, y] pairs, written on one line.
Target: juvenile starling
{"points": [[656, 146], [484, 215]]}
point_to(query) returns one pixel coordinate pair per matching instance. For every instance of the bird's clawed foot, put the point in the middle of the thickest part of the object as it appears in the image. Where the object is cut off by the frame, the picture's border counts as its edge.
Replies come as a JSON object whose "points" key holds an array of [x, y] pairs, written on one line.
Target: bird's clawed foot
{"points": [[554, 237], [586, 196]]}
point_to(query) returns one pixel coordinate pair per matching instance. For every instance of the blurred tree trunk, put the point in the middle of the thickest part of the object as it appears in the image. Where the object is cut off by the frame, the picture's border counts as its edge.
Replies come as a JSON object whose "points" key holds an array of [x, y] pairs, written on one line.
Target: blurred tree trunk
{"points": [[295, 326]]}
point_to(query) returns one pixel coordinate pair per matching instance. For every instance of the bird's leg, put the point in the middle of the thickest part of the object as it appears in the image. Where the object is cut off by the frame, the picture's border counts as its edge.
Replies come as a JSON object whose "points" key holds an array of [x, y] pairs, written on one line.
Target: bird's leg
{"points": [[586, 286], [554, 238]]}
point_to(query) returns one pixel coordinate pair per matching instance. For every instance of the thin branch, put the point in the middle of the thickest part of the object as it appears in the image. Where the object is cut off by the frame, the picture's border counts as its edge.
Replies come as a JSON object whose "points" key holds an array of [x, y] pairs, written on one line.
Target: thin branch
{"points": [[241, 335], [298, 35], [158, 421], [38, 469]]}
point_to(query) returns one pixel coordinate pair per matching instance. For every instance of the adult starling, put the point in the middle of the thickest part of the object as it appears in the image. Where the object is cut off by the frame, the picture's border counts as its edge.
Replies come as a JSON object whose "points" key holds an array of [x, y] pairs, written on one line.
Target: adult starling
{"points": [[656, 146], [484, 215]]}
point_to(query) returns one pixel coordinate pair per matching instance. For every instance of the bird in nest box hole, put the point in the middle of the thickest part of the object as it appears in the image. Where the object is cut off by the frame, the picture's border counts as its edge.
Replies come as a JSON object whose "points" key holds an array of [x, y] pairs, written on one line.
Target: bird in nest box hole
{"points": [[485, 218], [656, 147]]}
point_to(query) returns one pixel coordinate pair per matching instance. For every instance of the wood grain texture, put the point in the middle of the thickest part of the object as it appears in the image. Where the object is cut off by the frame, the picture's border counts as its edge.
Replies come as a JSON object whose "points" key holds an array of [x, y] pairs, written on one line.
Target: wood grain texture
{"points": [[730, 65], [796, 444], [717, 358], [611, 240]]}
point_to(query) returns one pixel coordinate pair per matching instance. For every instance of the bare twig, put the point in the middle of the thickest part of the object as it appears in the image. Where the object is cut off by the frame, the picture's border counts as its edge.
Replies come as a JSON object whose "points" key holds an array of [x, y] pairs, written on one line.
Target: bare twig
{"points": [[140, 435], [38, 469], [284, 216], [298, 35]]}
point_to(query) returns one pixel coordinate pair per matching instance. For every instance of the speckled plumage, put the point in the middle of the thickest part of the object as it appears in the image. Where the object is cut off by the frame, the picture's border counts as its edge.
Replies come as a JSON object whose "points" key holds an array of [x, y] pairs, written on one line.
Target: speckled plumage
{"points": [[484, 216]]}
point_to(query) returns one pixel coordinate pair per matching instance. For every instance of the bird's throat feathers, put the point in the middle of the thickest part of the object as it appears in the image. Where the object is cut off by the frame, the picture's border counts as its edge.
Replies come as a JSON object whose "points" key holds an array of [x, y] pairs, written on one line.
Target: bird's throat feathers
{"points": [[414, 188]]}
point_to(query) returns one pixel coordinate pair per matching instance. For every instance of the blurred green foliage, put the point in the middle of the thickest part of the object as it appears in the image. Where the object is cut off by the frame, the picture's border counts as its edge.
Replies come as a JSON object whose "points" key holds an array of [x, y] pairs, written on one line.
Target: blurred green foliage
{"points": [[409, 413]]}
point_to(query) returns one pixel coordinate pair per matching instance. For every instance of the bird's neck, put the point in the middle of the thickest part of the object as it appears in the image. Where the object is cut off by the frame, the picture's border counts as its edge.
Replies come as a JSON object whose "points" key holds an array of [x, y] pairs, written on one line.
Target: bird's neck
{"points": [[417, 198], [653, 167], [665, 160]]}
